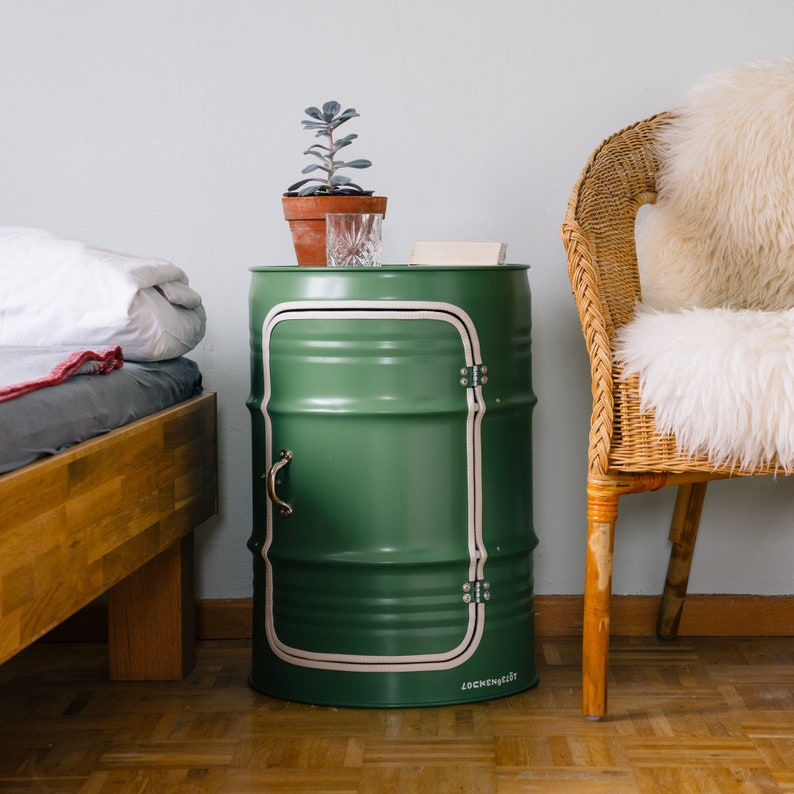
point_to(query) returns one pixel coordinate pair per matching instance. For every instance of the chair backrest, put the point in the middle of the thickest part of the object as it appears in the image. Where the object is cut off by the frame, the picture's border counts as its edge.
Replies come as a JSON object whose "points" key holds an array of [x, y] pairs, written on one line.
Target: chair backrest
{"points": [[599, 236], [600, 223]]}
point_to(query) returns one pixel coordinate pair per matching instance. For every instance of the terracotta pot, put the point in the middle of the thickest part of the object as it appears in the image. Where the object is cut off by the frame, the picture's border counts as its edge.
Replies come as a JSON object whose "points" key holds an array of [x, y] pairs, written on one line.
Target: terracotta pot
{"points": [[306, 217]]}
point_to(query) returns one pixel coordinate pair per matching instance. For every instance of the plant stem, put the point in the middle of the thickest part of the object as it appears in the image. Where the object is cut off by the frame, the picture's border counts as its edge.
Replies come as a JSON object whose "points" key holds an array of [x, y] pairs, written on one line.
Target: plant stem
{"points": [[330, 155]]}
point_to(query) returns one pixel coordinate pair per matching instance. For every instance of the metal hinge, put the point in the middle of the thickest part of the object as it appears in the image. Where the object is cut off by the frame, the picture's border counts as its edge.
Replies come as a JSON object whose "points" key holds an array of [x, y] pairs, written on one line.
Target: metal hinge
{"points": [[474, 376], [476, 592]]}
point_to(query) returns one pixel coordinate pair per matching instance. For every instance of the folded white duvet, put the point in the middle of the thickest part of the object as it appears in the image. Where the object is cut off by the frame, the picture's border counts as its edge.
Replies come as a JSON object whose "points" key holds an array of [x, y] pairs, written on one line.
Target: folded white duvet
{"points": [[58, 291]]}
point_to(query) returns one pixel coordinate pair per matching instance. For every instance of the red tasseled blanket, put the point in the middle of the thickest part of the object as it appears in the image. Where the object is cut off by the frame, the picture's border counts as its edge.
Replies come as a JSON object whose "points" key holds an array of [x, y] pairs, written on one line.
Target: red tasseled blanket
{"points": [[25, 369]]}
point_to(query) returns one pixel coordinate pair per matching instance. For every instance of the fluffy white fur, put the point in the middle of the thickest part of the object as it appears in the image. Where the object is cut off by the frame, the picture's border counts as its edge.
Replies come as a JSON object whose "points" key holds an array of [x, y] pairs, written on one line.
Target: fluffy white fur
{"points": [[722, 230], [713, 341], [721, 380]]}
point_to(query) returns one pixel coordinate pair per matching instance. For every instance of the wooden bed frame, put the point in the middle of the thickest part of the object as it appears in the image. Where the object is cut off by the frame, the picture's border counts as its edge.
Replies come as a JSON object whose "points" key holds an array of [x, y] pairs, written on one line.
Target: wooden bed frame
{"points": [[113, 515]]}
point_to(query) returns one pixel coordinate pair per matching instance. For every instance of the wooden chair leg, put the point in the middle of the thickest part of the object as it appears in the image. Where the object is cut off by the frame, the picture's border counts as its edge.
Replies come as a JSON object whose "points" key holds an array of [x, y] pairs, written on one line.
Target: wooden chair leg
{"points": [[683, 534], [602, 513]]}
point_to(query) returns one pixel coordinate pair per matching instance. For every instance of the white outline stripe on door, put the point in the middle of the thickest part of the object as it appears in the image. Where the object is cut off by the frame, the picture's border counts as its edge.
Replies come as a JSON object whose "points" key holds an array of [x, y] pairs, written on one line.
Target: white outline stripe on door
{"points": [[401, 310]]}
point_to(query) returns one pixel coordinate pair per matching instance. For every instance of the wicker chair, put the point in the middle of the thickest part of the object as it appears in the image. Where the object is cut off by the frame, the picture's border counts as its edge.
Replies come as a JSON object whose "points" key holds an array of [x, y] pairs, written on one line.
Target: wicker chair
{"points": [[626, 453]]}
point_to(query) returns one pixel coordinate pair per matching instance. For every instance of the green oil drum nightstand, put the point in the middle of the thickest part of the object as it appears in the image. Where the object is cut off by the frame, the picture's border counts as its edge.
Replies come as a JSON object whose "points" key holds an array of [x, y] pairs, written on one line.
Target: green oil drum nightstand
{"points": [[392, 535]]}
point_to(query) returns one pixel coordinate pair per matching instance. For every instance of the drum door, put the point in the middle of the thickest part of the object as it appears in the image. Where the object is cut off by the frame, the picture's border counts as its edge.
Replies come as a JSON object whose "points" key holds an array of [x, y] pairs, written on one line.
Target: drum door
{"points": [[373, 553]]}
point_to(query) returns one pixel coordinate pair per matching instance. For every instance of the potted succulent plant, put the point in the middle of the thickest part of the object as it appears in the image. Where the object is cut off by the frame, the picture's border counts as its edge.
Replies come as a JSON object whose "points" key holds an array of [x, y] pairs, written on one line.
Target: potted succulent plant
{"points": [[308, 201]]}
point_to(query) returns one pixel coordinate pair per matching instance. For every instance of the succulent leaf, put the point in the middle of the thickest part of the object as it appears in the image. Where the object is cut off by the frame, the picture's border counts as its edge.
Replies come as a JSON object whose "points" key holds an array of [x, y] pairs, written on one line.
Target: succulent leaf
{"points": [[361, 163], [330, 109], [346, 141]]}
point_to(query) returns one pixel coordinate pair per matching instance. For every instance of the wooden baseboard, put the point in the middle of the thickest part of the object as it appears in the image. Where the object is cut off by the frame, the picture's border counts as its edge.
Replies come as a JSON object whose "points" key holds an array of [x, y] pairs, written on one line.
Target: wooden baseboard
{"points": [[703, 616], [555, 616]]}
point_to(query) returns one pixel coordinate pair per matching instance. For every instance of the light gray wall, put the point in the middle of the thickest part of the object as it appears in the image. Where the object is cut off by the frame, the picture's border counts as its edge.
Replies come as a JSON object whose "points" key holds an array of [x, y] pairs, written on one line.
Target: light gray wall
{"points": [[172, 127]]}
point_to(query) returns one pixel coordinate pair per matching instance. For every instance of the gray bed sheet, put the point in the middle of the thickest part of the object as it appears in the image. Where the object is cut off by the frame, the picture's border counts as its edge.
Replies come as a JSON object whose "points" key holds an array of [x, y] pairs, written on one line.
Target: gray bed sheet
{"points": [[49, 420]]}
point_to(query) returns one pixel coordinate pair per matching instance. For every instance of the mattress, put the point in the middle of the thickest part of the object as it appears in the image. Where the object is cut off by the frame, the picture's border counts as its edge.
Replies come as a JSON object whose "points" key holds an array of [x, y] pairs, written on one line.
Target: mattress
{"points": [[49, 420]]}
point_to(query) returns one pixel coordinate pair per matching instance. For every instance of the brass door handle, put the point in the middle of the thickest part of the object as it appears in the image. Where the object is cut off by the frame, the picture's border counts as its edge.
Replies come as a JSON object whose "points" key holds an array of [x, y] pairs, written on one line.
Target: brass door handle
{"points": [[285, 456]]}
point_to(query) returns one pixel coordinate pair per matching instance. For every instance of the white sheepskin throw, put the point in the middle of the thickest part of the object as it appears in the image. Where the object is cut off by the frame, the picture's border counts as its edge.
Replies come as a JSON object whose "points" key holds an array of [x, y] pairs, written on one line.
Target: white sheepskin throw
{"points": [[720, 380], [722, 230], [713, 341]]}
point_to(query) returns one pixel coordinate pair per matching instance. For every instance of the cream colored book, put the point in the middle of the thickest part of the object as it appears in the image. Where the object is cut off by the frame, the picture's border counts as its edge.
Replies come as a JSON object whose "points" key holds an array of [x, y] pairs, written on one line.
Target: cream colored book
{"points": [[457, 252]]}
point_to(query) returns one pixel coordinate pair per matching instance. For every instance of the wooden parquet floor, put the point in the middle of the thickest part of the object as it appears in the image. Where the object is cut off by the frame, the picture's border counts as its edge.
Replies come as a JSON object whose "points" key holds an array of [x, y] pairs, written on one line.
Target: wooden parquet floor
{"points": [[694, 715]]}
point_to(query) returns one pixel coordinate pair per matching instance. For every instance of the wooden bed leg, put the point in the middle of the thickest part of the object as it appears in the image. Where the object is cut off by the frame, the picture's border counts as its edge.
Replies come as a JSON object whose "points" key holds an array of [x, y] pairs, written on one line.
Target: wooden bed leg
{"points": [[151, 618], [683, 534], [602, 513]]}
